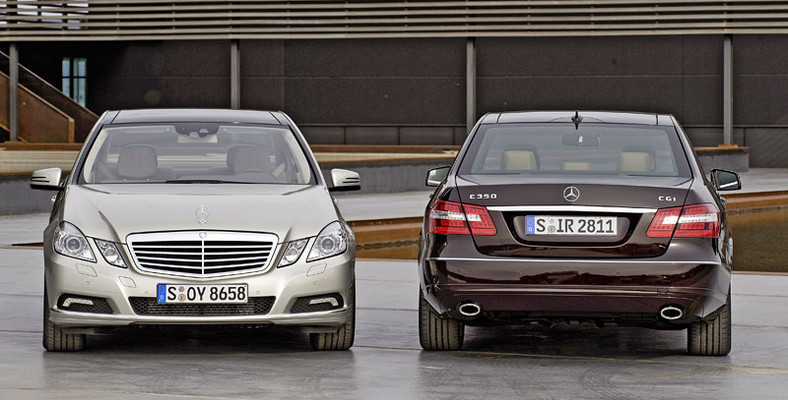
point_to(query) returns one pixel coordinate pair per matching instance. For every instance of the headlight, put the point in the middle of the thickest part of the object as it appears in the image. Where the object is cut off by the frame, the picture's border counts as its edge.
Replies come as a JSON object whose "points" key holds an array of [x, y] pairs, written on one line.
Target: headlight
{"points": [[110, 253], [293, 252], [331, 241], [70, 242]]}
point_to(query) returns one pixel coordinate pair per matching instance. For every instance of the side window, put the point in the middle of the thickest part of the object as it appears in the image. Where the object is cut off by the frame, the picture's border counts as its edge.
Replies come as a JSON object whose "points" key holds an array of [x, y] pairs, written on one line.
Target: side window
{"points": [[74, 73]]}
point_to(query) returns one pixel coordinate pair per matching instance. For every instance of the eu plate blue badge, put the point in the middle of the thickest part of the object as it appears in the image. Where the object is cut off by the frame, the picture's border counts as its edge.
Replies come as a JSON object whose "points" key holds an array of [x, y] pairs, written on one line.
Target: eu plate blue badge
{"points": [[530, 226], [162, 293]]}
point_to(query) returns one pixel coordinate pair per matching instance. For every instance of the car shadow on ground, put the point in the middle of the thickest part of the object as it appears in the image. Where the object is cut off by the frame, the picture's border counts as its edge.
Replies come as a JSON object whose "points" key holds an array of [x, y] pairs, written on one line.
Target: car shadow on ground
{"points": [[581, 340], [201, 340]]}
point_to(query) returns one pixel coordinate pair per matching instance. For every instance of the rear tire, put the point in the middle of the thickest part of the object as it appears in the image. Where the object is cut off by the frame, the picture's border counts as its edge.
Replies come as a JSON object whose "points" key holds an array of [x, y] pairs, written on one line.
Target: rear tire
{"points": [[54, 339], [711, 338], [343, 338], [436, 333]]}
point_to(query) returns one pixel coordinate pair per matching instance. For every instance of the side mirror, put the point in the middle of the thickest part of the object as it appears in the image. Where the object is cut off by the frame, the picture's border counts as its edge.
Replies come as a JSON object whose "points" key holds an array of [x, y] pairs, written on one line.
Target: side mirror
{"points": [[436, 176], [725, 180], [46, 179], [343, 180]]}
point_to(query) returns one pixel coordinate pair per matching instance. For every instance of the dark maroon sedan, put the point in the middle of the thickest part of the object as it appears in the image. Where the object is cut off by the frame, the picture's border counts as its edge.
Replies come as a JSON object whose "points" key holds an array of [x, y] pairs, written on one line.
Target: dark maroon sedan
{"points": [[600, 217]]}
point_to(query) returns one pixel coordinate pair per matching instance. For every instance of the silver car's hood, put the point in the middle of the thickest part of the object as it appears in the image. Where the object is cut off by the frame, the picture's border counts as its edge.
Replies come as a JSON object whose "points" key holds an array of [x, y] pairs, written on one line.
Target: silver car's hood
{"points": [[112, 212]]}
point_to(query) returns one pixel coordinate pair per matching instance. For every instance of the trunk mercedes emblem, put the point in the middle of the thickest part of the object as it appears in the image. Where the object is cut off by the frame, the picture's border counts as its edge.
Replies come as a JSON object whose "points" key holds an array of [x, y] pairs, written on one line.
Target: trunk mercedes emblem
{"points": [[571, 194]]}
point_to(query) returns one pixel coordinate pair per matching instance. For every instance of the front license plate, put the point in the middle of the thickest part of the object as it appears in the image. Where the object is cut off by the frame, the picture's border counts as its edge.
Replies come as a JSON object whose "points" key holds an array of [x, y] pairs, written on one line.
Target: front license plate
{"points": [[227, 294], [570, 225]]}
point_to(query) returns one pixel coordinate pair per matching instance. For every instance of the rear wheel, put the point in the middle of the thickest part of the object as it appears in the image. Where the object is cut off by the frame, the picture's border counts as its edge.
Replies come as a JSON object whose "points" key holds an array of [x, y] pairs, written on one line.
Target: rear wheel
{"points": [[436, 333], [57, 340], [711, 338], [343, 338]]}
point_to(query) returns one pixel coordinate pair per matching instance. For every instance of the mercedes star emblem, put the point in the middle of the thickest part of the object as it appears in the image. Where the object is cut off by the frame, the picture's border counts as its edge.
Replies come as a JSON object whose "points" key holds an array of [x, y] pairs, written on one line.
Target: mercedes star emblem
{"points": [[571, 194], [202, 214]]}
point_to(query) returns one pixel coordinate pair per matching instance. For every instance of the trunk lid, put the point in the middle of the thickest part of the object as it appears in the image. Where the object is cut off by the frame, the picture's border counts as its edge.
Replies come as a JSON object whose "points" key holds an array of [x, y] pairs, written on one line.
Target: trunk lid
{"points": [[572, 216]]}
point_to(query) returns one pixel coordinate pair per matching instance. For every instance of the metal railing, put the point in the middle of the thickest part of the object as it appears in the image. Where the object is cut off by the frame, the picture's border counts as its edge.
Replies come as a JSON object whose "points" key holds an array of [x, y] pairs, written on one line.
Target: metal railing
{"points": [[39, 20]]}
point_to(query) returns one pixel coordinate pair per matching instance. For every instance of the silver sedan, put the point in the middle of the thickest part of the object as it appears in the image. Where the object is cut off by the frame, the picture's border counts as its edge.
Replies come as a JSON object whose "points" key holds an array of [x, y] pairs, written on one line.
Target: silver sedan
{"points": [[196, 217]]}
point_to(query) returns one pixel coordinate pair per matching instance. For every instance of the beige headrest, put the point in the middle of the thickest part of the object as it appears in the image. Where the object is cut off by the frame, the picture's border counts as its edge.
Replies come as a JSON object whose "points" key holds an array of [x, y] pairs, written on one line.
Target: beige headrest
{"points": [[137, 161], [249, 158], [518, 160], [576, 166], [637, 161]]}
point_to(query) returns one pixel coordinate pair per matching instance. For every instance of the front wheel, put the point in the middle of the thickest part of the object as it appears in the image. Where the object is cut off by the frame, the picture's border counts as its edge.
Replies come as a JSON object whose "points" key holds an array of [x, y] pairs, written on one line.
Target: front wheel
{"points": [[54, 339], [343, 338], [711, 338], [436, 333]]}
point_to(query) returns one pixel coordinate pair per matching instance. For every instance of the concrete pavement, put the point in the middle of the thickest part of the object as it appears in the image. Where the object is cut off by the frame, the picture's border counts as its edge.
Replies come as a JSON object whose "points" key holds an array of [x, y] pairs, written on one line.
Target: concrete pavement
{"points": [[386, 362]]}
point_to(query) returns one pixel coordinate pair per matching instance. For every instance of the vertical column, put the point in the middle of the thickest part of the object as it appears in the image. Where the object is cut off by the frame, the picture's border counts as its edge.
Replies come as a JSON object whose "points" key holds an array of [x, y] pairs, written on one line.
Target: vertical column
{"points": [[470, 84], [235, 75], [727, 89], [13, 92]]}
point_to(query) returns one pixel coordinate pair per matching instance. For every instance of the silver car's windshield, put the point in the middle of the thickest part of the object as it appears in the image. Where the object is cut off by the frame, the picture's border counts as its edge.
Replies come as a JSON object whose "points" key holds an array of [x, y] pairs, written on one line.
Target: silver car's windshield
{"points": [[196, 153], [564, 149]]}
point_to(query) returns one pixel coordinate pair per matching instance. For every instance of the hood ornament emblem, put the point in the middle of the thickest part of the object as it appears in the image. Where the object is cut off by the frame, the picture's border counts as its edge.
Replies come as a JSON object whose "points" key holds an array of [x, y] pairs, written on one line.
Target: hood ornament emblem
{"points": [[202, 214], [571, 194]]}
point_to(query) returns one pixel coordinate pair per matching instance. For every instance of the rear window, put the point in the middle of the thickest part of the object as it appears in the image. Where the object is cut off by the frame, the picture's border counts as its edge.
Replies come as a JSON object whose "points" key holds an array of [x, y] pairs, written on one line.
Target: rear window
{"points": [[589, 149]]}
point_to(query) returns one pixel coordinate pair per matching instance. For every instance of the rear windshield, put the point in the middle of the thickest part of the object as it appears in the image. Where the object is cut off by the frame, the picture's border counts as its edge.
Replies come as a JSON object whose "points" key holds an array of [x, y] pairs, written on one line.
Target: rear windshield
{"points": [[589, 149], [194, 153]]}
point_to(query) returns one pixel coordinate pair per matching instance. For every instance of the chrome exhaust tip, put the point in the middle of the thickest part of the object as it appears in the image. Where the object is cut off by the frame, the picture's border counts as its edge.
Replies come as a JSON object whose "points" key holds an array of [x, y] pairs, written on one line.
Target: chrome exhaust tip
{"points": [[670, 313], [469, 309]]}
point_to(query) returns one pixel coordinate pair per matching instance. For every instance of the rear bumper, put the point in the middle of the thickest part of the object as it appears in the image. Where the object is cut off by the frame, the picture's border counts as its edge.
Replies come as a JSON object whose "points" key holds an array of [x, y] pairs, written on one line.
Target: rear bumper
{"points": [[577, 289]]}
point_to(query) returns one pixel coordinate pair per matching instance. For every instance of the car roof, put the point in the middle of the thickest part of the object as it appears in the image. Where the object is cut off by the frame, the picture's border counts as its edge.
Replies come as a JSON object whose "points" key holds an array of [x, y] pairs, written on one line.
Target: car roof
{"points": [[608, 117], [196, 115]]}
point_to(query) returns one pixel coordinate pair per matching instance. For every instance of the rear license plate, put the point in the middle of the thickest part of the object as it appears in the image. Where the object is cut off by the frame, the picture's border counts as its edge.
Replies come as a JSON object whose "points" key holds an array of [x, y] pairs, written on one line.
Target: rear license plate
{"points": [[226, 294], [570, 225]]}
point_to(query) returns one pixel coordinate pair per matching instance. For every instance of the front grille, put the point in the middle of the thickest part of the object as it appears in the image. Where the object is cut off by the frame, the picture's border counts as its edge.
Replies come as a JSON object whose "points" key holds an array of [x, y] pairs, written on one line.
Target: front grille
{"points": [[202, 253], [302, 305], [99, 306], [149, 306]]}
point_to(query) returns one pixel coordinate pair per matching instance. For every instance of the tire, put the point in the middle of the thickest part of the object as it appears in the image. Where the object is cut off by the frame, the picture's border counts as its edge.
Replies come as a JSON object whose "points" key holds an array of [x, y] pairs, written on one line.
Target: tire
{"points": [[436, 333], [54, 339], [343, 338], [711, 338]]}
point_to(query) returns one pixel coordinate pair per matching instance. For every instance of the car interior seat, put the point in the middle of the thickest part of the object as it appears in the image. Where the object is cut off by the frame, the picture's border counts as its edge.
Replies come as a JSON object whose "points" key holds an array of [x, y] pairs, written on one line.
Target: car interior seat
{"points": [[636, 160], [519, 158]]}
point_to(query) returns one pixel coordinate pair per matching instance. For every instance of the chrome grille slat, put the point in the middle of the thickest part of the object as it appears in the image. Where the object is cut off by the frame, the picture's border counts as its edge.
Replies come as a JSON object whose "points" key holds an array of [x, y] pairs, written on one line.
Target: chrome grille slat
{"points": [[232, 247], [235, 265], [166, 253], [202, 253], [153, 259], [224, 260]]}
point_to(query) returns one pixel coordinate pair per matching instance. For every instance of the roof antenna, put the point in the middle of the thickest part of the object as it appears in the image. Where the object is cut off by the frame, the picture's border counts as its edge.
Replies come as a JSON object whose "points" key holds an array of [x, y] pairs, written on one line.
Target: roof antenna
{"points": [[577, 119]]}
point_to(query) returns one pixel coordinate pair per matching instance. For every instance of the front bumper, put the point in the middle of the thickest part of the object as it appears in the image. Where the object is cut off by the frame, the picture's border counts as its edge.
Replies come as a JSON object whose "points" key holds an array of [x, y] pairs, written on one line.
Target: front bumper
{"points": [[73, 277]]}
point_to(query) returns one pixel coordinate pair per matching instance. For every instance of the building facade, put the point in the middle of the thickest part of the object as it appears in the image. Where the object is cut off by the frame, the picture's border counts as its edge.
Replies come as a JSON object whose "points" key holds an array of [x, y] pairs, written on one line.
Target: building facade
{"points": [[419, 72]]}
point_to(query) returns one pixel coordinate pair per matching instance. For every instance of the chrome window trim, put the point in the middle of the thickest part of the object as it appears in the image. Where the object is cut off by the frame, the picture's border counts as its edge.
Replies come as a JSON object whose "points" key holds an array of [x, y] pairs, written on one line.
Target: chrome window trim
{"points": [[560, 208]]}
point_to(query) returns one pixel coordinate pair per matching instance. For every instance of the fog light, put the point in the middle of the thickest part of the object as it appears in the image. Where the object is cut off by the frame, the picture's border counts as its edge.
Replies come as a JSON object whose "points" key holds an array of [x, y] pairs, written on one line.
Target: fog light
{"points": [[329, 300], [76, 300]]}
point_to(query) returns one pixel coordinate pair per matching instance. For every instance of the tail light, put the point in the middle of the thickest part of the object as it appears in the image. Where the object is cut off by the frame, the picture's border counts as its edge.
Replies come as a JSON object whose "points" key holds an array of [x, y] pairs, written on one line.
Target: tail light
{"points": [[697, 220], [450, 218]]}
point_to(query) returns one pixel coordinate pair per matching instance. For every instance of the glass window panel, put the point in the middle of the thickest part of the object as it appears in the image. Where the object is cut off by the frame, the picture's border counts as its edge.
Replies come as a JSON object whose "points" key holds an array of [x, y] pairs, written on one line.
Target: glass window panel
{"points": [[67, 86], [80, 90], [66, 67], [81, 67]]}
